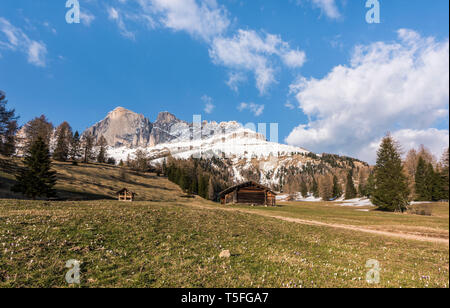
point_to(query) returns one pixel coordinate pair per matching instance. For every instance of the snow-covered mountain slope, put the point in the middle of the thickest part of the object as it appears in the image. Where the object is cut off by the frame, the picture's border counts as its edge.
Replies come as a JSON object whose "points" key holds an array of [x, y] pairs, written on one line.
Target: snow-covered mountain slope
{"points": [[238, 145], [244, 153]]}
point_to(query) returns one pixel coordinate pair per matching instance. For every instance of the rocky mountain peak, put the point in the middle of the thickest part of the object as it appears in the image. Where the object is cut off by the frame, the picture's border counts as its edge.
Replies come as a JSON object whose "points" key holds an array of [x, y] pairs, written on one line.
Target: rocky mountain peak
{"points": [[166, 117], [123, 127], [119, 112]]}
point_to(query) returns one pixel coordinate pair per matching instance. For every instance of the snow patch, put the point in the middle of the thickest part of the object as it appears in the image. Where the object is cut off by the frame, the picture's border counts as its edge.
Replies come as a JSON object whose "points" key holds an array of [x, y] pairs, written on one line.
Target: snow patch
{"points": [[356, 202]]}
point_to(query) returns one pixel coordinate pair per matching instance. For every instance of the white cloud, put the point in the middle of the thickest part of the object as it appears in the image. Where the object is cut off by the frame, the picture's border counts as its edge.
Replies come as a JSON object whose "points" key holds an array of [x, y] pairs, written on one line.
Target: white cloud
{"points": [[257, 110], [209, 106], [294, 58], [115, 15], [235, 79], [400, 87], [249, 51], [86, 17], [328, 7], [16, 40], [204, 19], [246, 51], [436, 140], [289, 105]]}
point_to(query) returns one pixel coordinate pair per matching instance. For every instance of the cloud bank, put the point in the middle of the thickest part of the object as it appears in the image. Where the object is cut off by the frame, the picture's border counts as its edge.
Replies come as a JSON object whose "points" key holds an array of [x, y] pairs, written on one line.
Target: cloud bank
{"points": [[401, 87]]}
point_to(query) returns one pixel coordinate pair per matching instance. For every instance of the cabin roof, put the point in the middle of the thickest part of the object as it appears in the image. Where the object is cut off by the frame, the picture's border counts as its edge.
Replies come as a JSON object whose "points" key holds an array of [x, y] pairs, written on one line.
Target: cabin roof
{"points": [[246, 184], [125, 190]]}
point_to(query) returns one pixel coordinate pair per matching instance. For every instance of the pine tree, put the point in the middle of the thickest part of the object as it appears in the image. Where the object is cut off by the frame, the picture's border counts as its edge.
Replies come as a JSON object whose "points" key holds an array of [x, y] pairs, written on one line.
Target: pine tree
{"points": [[64, 136], [315, 189], [350, 190], [444, 175], [304, 189], [75, 147], [370, 186], [421, 179], [390, 191], [337, 190], [101, 157], [36, 179], [8, 127]]}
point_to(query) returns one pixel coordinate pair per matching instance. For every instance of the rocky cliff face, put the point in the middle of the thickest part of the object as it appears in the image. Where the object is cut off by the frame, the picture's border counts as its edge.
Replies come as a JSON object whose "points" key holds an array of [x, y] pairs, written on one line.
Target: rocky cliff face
{"points": [[165, 128], [122, 127]]}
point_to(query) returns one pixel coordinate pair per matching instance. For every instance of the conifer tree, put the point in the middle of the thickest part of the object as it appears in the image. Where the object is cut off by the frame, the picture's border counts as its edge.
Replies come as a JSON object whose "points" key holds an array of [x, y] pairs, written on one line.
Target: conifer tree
{"points": [[350, 190], [370, 186], [390, 191], [36, 179], [101, 157], [444, 175], [422, 178], [315, 189], [337, 190], [75, 147], [304, 189], [8, 127]]}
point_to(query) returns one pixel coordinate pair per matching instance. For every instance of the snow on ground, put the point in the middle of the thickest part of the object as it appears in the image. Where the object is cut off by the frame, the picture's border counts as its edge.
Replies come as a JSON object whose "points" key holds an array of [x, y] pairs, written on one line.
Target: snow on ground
{"points": [[356, 202], [311, 199], [298, 197], [282, 197], [242, 144]]}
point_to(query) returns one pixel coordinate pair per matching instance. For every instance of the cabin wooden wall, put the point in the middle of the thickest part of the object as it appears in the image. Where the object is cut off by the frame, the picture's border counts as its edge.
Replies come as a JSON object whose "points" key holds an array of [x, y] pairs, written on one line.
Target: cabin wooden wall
{"points": [[250, 195]]}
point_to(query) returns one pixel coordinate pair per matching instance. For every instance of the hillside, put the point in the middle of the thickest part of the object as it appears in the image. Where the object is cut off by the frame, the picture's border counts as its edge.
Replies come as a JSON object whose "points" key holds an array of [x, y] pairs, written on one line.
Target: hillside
{"points": [[96, 181]]}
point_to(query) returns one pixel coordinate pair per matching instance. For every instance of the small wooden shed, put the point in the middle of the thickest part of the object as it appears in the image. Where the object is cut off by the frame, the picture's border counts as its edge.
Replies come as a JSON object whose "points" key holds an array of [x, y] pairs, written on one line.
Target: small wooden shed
{"points": [[125, 195], [248, 193]]}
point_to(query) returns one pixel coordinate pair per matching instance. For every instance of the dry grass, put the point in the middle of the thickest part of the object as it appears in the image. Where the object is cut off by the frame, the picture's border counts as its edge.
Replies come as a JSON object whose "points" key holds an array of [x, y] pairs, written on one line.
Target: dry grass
{"points": [[99, 182], [174, 244], [170, 241], [436, 225]]}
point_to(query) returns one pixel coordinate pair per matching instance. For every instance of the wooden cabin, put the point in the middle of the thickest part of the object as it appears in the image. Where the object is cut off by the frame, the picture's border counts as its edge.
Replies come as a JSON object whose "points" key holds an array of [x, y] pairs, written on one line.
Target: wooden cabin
{"points": [[248, 193], [125, 195]]}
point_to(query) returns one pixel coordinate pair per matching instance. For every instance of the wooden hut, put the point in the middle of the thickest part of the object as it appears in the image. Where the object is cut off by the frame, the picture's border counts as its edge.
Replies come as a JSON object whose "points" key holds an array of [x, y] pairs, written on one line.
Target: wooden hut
{"points": [[125, 195], [248, 193]]}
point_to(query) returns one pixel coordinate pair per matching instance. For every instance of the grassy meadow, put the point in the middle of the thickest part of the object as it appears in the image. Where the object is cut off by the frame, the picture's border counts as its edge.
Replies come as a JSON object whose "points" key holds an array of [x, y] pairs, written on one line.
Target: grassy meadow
{"points": [[166, 240]]}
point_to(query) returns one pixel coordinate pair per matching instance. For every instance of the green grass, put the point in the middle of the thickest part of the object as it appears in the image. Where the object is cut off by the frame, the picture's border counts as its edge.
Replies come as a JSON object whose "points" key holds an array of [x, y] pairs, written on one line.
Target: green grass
{"points": [[164, 244]]}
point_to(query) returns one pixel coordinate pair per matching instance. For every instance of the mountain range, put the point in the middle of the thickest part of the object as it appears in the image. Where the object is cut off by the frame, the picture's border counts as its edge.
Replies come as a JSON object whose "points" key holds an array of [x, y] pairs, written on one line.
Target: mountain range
{"points": [[245, 153]]}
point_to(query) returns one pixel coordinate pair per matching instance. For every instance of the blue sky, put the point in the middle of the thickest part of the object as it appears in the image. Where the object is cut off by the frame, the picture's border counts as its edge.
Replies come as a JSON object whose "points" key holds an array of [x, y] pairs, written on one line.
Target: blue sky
{"points": [[333, 82]]}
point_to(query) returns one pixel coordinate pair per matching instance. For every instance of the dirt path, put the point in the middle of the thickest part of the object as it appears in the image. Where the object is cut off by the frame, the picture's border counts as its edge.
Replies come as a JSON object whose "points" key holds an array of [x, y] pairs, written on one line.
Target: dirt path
{"points": [[337, 226]]}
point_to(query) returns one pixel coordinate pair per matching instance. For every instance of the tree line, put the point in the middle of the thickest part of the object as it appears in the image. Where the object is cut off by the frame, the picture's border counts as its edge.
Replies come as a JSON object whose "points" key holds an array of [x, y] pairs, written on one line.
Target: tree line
{"points": [[203, 177], [34, 143]]}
